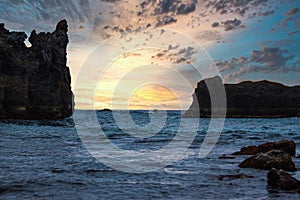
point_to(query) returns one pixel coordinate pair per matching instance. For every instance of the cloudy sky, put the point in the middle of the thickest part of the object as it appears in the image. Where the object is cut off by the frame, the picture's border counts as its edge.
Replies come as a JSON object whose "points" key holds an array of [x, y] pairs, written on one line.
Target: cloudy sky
{"points": [[150, 54]]}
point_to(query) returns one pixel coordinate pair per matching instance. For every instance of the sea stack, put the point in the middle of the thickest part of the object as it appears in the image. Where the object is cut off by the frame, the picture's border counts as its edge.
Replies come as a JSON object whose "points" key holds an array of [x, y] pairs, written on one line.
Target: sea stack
{"points": [[35, 81], [262, 99]]}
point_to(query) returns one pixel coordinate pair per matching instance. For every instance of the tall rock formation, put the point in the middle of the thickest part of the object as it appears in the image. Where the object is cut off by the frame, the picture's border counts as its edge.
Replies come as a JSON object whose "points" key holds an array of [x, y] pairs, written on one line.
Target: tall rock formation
{"points": [[35, 81], [249, 100]]}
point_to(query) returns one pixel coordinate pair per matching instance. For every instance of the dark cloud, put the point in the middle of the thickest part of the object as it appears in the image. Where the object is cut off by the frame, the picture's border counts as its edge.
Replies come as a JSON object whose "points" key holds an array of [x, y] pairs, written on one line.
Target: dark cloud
{"points": [[283, 23], [267, 60], [293, 33], [183, 55], [171, 47], [177, 6], [187, 52], [292, 17], [292, 11], [240, 7], [99, 18], [232, 24], [105, 18], [215, 24], [167, 7], [233, 63], [165, 20], [185, 9], [165, 11], [267, 13]]}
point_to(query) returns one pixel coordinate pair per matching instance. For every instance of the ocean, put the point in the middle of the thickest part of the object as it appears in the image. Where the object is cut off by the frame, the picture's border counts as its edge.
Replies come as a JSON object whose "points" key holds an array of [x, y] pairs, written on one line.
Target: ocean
{"points": [[56, 160]]}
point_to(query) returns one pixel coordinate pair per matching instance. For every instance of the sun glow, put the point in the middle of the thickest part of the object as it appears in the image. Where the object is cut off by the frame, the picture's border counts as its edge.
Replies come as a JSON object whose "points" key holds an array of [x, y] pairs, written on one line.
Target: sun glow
{"points": [[153, 96], [130, 75]]}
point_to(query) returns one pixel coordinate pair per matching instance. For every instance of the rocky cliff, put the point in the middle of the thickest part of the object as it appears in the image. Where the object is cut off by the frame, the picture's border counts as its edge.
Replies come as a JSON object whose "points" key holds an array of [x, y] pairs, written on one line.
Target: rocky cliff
{"points": [[249, 99], [35, 81]]}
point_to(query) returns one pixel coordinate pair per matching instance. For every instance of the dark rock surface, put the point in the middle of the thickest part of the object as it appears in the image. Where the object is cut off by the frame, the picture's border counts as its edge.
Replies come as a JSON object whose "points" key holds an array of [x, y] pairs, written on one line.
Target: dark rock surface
{"points": [[234, 176], [273, 159], [249, 99], [284, 145], [226, 156], [105, 110], [283, 180], [35, 81]]}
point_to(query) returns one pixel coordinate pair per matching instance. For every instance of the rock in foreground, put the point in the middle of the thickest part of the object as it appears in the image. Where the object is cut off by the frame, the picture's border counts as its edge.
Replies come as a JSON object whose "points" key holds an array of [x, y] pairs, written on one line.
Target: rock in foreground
{"points": [[35, 81], [273, 159], [284, 145], [283, 180], [248, 99]]}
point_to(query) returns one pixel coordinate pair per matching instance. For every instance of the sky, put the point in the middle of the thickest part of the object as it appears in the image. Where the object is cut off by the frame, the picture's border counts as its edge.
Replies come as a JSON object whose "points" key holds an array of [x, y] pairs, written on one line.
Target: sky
{"points": [[150, 54]]}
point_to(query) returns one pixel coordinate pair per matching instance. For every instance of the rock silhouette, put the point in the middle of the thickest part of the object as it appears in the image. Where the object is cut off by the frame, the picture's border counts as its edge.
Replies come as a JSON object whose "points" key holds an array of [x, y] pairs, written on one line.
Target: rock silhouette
{"points": [[283, 180], [273, 159], [284, 145], [35, 81], [262, 99], [235, 176]]}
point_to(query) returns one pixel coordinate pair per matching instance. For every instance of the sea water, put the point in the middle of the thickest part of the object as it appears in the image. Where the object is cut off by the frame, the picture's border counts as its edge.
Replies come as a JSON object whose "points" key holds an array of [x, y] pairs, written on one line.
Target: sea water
{"points": [[48, 160]]}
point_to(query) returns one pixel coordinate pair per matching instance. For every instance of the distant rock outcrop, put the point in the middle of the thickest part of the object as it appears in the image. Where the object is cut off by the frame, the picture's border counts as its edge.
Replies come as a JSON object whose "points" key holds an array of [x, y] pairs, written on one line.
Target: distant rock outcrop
{"points": [[35, 81], [248, 99]]}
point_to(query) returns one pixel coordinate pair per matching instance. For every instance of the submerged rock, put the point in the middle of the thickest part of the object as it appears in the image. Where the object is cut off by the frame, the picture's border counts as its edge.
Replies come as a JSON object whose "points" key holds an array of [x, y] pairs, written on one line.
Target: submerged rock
{"points": [[35, 81], [235, 176], [248, 99], [225, 156], [284, 145], [273, 159], [283, 180]]}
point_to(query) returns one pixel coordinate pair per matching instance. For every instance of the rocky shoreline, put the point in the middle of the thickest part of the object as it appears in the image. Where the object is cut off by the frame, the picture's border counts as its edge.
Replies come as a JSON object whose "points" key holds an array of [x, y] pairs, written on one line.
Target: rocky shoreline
{"points": [[273, 156], [35, 81]]}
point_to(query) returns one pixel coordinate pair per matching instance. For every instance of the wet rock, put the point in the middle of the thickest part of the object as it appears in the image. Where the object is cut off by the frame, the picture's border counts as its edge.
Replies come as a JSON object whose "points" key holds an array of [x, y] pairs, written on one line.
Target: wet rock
{"points": [[283, 180], [235, 176], [249, 99], [35, 81], [284, 145], [58, 171], [225, 156], [273, 159], [2, 190]]}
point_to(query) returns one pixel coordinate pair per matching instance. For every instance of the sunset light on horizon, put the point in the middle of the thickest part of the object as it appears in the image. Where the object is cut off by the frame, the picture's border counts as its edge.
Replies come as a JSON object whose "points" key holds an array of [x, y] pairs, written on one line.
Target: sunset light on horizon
{"points": [[250, 40]]}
